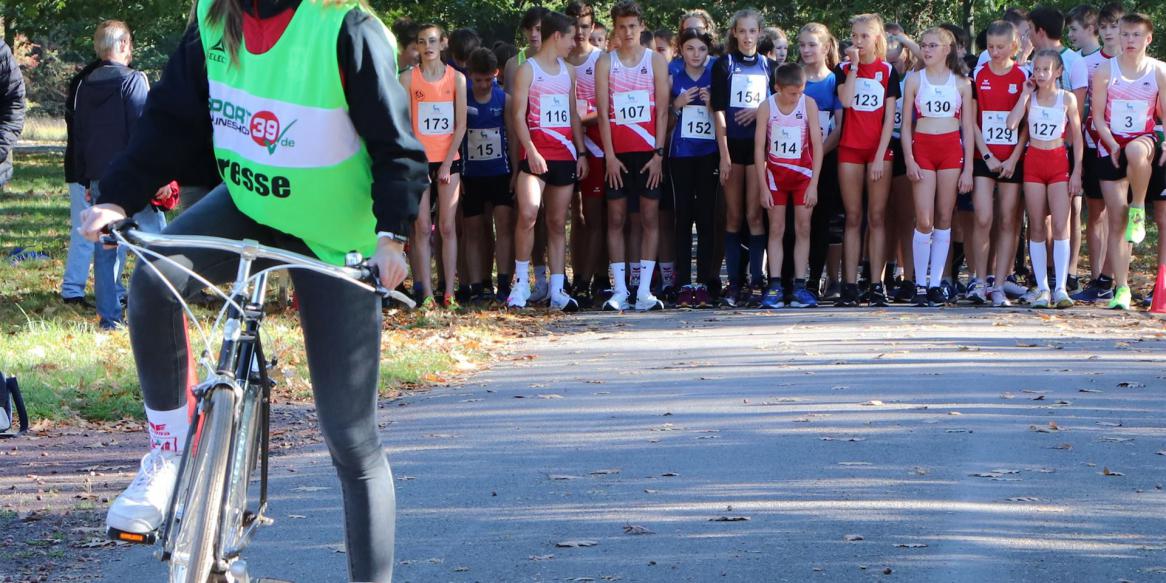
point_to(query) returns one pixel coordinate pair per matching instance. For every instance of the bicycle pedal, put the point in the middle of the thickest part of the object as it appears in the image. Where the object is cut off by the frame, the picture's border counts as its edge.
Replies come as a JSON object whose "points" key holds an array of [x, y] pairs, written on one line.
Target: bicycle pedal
{"points": [[138, 538]]}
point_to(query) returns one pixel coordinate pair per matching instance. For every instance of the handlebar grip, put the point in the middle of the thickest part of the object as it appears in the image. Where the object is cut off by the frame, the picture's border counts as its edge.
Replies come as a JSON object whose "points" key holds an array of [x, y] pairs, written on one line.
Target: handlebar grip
{"points": [[372, 276]]}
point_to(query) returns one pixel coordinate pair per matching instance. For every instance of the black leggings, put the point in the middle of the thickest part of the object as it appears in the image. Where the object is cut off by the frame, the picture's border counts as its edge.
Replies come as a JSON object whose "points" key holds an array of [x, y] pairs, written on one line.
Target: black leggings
{"points": [[825, 217], [342, 331], [694, 192]]}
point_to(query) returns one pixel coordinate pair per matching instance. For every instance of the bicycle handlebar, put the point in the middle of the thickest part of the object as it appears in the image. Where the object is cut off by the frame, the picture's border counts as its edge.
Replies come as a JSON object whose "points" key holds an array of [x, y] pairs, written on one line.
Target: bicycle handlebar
{"points": [[363, 273]]}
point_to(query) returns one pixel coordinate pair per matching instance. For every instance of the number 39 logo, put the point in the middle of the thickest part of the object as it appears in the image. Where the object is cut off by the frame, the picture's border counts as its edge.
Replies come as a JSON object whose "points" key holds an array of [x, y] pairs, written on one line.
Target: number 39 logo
{"points": [[265, 129]]}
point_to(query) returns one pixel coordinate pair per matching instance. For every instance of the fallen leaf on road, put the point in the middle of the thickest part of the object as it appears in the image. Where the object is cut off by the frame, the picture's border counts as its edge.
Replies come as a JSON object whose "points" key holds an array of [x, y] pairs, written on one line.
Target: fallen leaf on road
{"points": [[729, 519], [296, 516], [1109, 424], [1130, 385], [541, 557], [1089, 391], [1052, 427], [854, 463], [551, 396], [827, 438], [1062, 446], [1115, 439], [605, 472], [460, 569], [1023, 499], [650, 491], [636, 529], [852, 538], [669, 475], [1108, 472], [571, 544], [911, 545], [563, 477]]}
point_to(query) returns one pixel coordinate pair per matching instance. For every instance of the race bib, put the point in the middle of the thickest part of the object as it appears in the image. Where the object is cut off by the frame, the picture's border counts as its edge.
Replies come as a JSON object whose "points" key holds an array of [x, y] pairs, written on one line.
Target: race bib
{"points": [[1046, 123], [825, 122], [1127, 116], [747, 91], [435, 118], [941, 102], [898, 115], [485, 144], [554, 111], [868, 95], [632, 107], [695, 123], [994, 126], [786, 142]]}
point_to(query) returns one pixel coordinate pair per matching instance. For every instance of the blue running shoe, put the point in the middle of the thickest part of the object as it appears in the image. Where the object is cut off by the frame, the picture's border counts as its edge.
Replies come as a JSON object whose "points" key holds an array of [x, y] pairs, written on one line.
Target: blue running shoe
{"points": [[803, 298], [774, 297]]}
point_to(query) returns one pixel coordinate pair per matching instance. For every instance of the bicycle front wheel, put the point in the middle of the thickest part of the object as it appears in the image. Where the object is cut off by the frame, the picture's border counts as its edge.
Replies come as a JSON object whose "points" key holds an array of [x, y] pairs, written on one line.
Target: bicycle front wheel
{"points": [[193, 557]]}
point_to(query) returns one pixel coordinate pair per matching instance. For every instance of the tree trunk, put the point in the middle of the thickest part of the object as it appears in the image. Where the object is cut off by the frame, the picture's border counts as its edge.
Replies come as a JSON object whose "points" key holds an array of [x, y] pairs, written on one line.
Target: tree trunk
{"points": [[966, 14]]}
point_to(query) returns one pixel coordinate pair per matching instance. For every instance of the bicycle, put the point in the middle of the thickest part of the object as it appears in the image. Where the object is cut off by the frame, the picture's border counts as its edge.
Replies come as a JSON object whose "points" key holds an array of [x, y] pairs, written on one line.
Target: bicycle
{"points": [[209, 522]]}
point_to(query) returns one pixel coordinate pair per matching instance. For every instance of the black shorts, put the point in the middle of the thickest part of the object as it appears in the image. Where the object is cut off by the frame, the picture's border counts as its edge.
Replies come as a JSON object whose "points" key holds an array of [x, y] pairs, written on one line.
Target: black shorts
{"points": [[899, 163], [980, 169], [635, 182], [1157, 190], [559, 172], [454, 168], [479, 191], [1090, 174], [1107, 171], [666, 202], [741, 151], [963, 202]]}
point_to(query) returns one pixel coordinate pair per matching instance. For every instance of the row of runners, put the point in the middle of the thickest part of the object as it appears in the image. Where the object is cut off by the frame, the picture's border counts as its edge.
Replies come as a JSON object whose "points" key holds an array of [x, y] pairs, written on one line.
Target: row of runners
{"points": [[872, 151]]}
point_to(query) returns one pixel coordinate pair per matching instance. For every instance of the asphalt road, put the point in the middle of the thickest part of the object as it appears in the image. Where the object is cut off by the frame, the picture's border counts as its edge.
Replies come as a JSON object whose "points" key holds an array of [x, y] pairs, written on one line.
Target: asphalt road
{"points": [[825, 445]]}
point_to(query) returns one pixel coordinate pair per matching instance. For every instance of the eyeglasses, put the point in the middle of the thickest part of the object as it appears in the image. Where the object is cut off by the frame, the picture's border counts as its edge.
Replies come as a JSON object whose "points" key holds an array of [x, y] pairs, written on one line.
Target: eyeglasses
{"points": [[933, 46]]}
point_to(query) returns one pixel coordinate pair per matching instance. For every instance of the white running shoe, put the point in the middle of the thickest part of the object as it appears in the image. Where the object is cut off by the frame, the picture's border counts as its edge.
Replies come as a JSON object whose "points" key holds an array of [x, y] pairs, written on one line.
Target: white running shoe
{"points": [[542, 291], [999, 298], [1013, 289], [1061, 299], [141, 507], [519, 294], [563, 302], [617, 303], [648, 303], [1030, 296], [977, 293], [1041, 300]]}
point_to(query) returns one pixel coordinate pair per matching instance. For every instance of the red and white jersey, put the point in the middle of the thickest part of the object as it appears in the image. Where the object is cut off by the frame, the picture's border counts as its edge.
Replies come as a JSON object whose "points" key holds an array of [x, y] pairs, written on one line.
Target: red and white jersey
{"points": [[996, 95], [1131, 103], [938, 100], [548, 112], [1047, 123], [788, 140], [585, 101], [1082, 78], [632, 105]]}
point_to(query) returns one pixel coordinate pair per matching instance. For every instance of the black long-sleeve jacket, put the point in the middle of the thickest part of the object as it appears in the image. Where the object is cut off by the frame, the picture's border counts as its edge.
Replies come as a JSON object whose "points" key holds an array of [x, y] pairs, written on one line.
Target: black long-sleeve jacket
{"points": [[172, 140], [12, 109]]}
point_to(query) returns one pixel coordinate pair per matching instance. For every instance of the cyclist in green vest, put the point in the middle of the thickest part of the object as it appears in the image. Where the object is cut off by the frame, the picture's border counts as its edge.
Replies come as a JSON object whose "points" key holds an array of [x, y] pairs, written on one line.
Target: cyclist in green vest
{"points": [[310, 133]]}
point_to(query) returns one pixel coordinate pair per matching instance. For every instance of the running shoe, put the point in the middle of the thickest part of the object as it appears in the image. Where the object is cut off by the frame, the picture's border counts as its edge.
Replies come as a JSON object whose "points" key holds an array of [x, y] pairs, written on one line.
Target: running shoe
{"points": [[752, 295], [833, 291], [877, 296], [586, 302], [803, 298], [450, 303], [668, 295], [429, 303], [936, 297], [648, 303], [905, 293], [563, 302], [140, 507], [1030, 296], [949, 291], [1121, 299], [1041, 300], [502, 294], [518, 297], [999, 298], [686, 298], [1093, 291], [542, 291], [1148, 300], [774, 297], [848, 298], [920, 298], [1073, 283], [1012, 289], [617, 303], [729, 295], [1062, 300], [1136, 226], [702, 298], [976, 293]]}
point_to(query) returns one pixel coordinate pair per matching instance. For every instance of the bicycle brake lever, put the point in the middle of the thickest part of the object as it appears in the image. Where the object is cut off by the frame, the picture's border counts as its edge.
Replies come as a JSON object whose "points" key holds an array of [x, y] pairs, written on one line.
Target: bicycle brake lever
{"points": [[373, 277]]}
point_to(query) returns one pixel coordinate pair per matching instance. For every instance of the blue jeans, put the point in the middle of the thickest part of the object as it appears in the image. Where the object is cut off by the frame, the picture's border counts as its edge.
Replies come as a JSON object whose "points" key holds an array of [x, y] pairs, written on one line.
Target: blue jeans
{"points": [[108, 265], [80, 251]]}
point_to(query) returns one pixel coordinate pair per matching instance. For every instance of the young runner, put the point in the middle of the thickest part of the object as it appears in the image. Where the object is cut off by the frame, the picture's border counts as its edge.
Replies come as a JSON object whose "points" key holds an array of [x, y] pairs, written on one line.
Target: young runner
{"points": [[788, 160], [666, 248], [818, 50], [868, 89], [590, 279], [693, 167], [938, 161], [774, 44], [741, 82], [631, 86], [546, 125], [1131, 88], [702, 21], [598, 36], [437, 95], [487, 173], [1048, 185], [997, 170], [1083, 36], [902, 53], [1100, 287]]}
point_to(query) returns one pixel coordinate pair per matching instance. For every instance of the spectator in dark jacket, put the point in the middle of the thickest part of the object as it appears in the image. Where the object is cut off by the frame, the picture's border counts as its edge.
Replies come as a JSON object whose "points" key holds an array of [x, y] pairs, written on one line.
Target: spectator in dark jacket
{"points": [[80, 250], [108, 103], [11, 109]]}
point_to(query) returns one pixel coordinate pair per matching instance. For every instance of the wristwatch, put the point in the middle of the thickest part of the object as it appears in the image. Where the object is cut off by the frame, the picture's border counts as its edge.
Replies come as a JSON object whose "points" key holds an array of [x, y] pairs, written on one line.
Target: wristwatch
{"points": [[392, 237], [583, 153], [987, 156], [660, 152]]}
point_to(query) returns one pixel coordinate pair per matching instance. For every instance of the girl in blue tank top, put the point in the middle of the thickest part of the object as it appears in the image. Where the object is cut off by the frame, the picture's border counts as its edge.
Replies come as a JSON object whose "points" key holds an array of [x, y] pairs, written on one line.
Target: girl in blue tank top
{"points": [[485, 146]]}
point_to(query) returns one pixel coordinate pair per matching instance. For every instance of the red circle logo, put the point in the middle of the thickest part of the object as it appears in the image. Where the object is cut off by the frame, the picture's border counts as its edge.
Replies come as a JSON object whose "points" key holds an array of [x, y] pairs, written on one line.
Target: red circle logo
{"points": [[265, 128]]}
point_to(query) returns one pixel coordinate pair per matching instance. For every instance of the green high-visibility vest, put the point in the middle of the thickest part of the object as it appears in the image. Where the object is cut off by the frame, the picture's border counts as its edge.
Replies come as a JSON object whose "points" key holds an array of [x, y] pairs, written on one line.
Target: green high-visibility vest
{"points": [[286, 147]]}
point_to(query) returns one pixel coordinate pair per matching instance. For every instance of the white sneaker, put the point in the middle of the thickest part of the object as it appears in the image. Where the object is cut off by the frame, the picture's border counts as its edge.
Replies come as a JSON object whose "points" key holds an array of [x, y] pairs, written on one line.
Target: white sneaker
{"points": [[563, 302], [1061, 299], [141, 507], [1041, 300], [519, 294], [617, 303], [1030, 296], [977, 293], [1013, 289], [999, 298], [542, 291], [648, 303]]}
